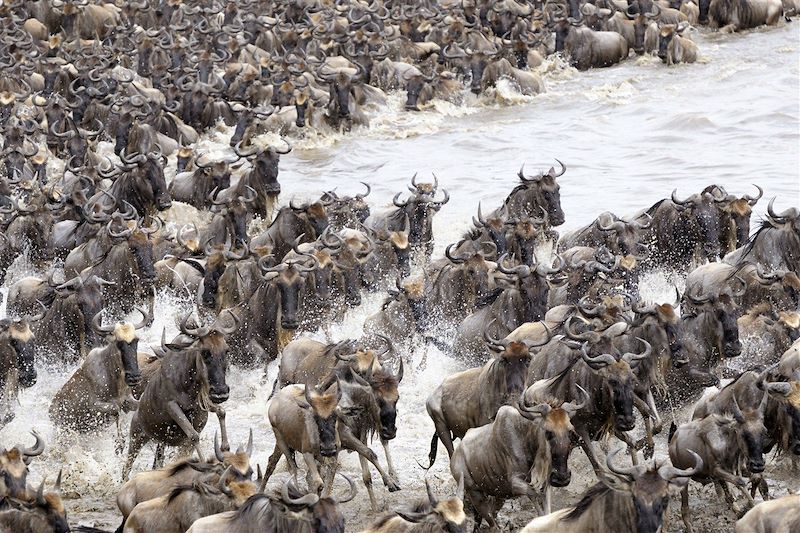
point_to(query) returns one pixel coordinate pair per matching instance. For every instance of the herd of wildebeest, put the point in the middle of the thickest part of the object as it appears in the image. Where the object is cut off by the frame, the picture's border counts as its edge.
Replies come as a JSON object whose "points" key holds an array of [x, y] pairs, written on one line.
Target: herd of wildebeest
{"points": [[562, 350]]}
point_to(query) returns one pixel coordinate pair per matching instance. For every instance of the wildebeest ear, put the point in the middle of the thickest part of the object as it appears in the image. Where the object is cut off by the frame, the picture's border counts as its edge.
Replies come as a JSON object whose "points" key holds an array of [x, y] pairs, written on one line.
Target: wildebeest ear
{"points": [[614, 483]]}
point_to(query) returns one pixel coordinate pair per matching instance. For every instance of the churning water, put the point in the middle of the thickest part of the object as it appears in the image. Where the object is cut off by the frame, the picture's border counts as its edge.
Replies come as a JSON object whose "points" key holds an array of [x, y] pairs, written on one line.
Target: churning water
{"points": [[628, 135]]}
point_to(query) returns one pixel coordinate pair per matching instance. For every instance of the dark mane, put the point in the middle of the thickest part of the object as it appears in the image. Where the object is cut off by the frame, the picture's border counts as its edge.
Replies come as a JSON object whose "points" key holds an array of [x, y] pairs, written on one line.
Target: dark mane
{"points": [[186, 463], [751, 242], [249, 506], [594, 493], [201, 488]]}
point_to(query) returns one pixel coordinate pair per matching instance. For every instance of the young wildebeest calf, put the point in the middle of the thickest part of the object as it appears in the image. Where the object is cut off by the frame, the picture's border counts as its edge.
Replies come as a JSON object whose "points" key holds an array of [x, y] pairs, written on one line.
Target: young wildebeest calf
{"points": [[294, 411], [674, 47], [94, 395], [494, 461]]}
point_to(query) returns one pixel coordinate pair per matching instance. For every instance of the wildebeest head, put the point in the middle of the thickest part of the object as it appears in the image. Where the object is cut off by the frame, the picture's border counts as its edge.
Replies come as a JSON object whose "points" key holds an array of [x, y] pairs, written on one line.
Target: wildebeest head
{"points": [[51, 507], [474, 267], [735, 218], [701, 213], [438, 515], [315, 214], [89, 295], [615, 369], [417, 88], [717, 315], [141, 248], [210, 345], [666, 33], [126, 342], [751, 431], [648, 486], [556, 434], [264, 174], [290, 280], [237, 463], [525, 232], [322, 514], [383, 384], [622, 237], [641, 21], [322, 404], [495, 228], [512, 360], [414, 292], [538, 191], [533, 284], [14, 468], [348, 256], [783, 286], [152, 185], [661, 325], [342, 84], [20, 337], [421, 208]]}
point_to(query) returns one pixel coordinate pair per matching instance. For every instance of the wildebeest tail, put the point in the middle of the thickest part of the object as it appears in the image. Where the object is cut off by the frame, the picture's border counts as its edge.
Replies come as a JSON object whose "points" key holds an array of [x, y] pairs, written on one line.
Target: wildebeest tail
{"points": [[432, 454], [274, 389]]}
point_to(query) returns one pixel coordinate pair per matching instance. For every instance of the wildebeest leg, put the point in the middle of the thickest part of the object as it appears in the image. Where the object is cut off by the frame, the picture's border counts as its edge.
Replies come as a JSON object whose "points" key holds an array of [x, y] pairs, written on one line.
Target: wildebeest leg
{"points": [[586, 446], [658, 424], [138, 438], [220, 412], [483, 506], [349, 442], [330, 465], [158, 457], [646, 444], [176, 413], [444, 434], [389, 462], [273, 461], [685, 513], [366, 477], [624, 437], [313, 479]]}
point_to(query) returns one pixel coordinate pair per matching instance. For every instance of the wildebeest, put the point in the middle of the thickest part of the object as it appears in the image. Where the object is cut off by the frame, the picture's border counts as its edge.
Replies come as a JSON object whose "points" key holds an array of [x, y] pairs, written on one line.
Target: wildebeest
{"points": [[41, 512], [626, 499], [778, 516], [600, 369], [533, 439], [292, 511], [14, 468], [587, 48], [176, 512], [161, 482], [17, 365], [431, 514], [306, 420], [741, 14], [173, 415], [101, 387], [775, 245], [471, 398], [619, 236], [724, 442], [673, 47], [404, 313]]}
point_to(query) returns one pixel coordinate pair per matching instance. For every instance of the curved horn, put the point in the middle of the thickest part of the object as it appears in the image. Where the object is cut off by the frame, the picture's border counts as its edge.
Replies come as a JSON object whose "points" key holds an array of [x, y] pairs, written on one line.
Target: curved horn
{"points": [[448, 253], [305, 501], [669, 472], [353, 489], [97, 324], [675, 199], [598, 361], [38, 446], [632, 358], [753, 199], [145, 317], [571, 408], [630, 472]]}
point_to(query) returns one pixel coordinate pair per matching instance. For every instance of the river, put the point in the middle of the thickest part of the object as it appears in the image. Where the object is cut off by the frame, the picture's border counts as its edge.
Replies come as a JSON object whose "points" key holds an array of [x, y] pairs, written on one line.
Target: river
{"points": [[628, 135]]}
